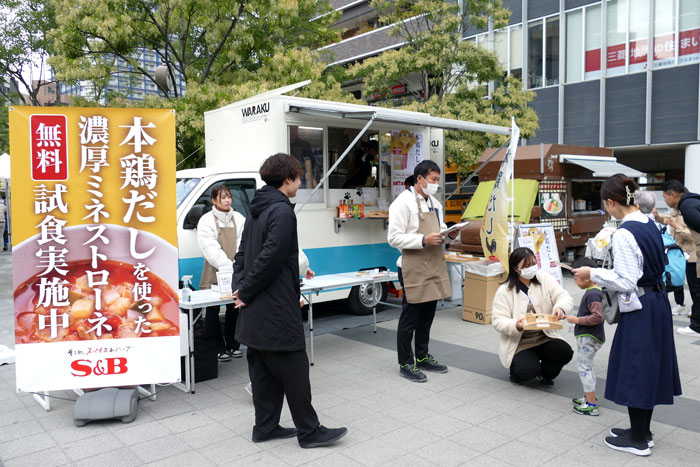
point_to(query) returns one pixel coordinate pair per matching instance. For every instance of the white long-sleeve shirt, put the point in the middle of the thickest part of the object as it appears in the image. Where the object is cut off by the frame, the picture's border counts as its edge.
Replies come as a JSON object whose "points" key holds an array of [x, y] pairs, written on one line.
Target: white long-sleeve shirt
{"points": [[628, 262], [403, 221], [208, 235]]}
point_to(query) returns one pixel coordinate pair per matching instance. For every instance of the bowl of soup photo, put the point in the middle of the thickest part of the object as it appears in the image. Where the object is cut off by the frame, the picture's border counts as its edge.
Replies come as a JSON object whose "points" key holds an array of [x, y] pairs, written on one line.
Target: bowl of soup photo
{"points": [[124, 294]]}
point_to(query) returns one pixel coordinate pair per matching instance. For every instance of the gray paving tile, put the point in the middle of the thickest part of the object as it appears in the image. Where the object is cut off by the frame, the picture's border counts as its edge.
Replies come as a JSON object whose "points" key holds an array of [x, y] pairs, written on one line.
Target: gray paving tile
{"points": [[19, 430], [438, 403], [521, 454], [479, 439], [262, 459], [46, 458], [558, 443], [597, 454], [161, 448], [185, 459], [231, 451], [72, 433], [409, 459], [227, 410], [347, 412], [446, 453], [27, 445], [289, 451], [376, 424], [82, 449], [17, 415], [206, 435], [443, 425], [485, 460], [122, 457], [160, 410], [334, 459], [373, 452], [474, 414], [136, 434], [186, 421]]}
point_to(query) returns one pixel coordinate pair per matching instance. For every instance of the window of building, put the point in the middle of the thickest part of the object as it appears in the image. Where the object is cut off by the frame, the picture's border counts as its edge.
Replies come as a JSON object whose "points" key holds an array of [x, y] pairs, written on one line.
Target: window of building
{"points": [[616, 53], [592, 42], [574, 46], [664, 33], [516, 51], [500, 47], [638, 34], [535, 45], [551, 50], [689, 35]]}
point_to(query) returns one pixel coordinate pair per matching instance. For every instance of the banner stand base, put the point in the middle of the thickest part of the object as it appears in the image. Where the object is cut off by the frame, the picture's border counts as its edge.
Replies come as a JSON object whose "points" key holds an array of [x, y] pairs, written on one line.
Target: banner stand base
{"points": [[44, 399]]}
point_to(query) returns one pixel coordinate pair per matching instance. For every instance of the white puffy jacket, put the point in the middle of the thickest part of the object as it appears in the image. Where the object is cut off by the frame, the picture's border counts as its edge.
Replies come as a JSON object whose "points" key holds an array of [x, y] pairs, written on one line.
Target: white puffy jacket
{"points": [[208, 235]]}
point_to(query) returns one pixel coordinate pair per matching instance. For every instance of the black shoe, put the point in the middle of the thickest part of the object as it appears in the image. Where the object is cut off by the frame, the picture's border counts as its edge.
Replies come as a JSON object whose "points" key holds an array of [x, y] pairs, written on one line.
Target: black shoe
{"points": [[626, 444], [628, 431], [412, 373], [428, 363], [223, 357], [277, 433], [323, 437], [546, 382]]}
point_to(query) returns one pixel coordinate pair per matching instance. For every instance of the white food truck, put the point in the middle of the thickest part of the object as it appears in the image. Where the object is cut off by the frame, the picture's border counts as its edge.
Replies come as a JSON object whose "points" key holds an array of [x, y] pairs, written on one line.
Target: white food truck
{"points": [[333, 142]]}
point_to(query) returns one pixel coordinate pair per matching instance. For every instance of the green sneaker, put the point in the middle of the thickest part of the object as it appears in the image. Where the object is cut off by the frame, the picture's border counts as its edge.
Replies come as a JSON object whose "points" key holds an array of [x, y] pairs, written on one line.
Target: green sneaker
{"points": [[587, 409], [582, 401]]}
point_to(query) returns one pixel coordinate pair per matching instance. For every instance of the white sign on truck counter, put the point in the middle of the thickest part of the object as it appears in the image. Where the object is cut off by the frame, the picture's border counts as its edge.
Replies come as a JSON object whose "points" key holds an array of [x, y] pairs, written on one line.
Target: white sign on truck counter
{"points": [[330, 140]]}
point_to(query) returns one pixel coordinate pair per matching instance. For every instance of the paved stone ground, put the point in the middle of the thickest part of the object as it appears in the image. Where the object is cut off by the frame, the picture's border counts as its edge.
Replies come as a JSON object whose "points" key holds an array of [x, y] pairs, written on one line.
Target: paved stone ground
{"points": [[469, 416]]}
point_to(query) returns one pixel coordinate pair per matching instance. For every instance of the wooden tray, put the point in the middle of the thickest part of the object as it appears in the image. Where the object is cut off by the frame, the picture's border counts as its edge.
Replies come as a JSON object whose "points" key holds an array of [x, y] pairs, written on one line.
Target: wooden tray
{"points": [[540, 322]]}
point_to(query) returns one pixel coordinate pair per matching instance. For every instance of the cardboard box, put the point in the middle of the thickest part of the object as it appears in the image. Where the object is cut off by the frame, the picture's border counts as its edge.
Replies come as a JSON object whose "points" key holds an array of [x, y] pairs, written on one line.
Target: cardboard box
{"points": [[480, 290], [476, 316]]}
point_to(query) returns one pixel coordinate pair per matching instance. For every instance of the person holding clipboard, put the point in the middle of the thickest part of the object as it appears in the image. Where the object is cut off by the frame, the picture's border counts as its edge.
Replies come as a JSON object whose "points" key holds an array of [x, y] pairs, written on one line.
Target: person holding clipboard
{"points": [[416, 220]]}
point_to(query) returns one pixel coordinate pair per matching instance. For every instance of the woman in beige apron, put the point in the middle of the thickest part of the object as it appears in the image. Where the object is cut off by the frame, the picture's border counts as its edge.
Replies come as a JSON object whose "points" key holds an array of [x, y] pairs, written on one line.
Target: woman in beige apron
{"points": [[217, 234], [422, 273]]}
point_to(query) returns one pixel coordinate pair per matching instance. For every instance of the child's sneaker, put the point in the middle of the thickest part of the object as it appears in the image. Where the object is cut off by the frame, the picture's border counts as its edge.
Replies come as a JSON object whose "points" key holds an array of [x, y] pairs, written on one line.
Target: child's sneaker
{"points": [[581, 400], [587, 409]]}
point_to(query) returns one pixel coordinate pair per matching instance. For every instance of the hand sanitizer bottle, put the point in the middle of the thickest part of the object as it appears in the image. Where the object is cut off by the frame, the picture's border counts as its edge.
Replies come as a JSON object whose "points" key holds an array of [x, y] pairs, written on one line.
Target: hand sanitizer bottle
{"points": [[186, 291]]}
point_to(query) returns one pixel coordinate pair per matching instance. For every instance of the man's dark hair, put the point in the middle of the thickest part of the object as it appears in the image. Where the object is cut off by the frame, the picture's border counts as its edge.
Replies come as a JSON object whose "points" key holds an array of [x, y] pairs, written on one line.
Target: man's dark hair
{"points": [[409, 182], [278, 168], [515, 258], [675, 186], [424, 168], [218, 189], [372, 144]]}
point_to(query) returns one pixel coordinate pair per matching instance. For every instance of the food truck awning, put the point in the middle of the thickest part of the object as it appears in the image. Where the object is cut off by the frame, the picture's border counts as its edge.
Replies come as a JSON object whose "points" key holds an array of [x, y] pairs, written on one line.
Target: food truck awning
{"points": [[525, 192], [397, 117], [601, 166]]}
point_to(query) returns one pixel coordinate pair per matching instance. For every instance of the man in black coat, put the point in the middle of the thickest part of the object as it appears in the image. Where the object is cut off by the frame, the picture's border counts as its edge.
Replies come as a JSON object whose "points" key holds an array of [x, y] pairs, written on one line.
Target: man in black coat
{"points": [[266, 284], [688, 204]]}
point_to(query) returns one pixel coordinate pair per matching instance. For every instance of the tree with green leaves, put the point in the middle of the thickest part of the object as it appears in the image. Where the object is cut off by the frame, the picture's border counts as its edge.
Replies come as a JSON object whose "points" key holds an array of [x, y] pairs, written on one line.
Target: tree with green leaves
{"points": [[24, 48], [205, 41], [447, 75]]}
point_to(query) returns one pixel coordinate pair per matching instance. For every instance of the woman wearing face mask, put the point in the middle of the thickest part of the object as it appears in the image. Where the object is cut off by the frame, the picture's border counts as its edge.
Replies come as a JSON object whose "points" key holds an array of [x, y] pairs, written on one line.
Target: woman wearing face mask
{"points": [[642, 368], [530, 354]]}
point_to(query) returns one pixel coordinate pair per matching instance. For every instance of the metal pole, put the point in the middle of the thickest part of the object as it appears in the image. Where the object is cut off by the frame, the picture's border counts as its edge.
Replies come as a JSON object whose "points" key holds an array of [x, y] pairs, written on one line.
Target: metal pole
{"points": [[340, 159]]}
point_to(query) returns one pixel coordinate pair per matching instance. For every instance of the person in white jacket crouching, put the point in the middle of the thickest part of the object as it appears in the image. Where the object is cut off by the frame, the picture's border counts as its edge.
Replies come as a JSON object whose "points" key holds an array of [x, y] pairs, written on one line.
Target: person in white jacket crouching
{"points": [[218, 235]]}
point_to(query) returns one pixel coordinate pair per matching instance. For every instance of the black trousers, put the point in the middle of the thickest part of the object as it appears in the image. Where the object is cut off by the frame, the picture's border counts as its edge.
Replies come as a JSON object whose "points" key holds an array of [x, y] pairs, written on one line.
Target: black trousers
{"points": [[212, 326], [679, 296], [273, 376], [547, 360], [694, 287], [416, 319]]}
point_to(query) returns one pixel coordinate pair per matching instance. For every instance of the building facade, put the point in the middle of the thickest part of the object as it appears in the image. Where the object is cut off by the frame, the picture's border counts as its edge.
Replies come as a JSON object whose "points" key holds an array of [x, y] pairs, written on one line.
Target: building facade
{"points": [[127, 82], [589, 65]]}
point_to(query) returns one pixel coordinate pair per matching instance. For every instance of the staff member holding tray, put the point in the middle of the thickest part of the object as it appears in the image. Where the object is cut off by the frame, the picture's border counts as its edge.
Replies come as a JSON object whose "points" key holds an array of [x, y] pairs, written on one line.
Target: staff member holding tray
{"points": [[415, 222]]}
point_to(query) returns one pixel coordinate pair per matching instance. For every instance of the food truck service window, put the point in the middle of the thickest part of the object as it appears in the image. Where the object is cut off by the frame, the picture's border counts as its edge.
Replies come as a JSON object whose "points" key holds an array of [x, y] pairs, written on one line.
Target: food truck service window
{"points": [[359, 167], [306, 144]]}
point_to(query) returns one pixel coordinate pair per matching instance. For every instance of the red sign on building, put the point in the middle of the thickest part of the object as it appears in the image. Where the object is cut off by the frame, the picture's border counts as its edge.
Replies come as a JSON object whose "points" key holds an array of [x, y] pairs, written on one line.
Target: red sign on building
{"points": [[49, 146]]}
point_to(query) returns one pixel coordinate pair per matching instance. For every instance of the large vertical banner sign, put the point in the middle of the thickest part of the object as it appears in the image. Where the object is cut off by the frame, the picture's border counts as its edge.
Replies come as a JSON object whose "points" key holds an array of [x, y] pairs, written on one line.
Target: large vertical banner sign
{"points": [[494, 229], [94, 247]]}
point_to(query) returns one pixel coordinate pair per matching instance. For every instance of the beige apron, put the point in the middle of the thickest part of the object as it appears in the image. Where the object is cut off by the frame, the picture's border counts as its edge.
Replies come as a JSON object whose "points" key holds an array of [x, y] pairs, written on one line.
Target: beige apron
{"points": [[227, 239], [424, 270]]}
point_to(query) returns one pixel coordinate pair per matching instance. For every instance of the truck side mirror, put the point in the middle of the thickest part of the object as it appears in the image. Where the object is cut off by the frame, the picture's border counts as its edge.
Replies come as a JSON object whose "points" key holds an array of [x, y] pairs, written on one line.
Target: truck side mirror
{"points": [[193, 216]]}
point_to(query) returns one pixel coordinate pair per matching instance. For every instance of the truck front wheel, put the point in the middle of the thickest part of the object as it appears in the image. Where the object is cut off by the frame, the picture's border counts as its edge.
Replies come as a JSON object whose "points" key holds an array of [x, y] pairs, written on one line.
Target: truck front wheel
{"points": [[364, 297]]}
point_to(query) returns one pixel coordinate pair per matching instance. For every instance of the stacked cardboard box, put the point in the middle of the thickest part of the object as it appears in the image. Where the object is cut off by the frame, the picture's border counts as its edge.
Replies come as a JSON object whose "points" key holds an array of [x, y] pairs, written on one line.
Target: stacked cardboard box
{"points": [[481, 280]]}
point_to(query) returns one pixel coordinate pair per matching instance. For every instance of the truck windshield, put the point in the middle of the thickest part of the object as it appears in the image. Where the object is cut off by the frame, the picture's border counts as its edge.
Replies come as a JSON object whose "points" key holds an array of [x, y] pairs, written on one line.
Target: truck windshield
{"points": [[183, 188]]}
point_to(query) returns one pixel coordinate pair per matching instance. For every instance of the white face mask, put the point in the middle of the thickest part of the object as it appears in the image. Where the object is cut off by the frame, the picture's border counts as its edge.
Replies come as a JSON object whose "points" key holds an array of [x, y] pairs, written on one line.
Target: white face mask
{"points": [[529, 273], [430, 189]]}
